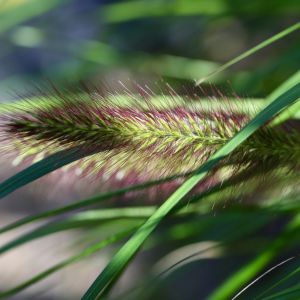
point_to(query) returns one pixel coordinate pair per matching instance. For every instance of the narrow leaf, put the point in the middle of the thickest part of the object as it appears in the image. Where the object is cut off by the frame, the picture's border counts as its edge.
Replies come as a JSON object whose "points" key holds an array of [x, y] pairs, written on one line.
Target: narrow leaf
{"points": [[251, 51], [40, 169], [73, 259], [87, 202]]}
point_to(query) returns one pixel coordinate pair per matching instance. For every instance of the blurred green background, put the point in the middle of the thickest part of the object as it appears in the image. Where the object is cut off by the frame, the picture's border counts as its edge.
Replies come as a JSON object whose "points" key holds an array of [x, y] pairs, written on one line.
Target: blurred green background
{"points": [[148, 42], [176, 40]]}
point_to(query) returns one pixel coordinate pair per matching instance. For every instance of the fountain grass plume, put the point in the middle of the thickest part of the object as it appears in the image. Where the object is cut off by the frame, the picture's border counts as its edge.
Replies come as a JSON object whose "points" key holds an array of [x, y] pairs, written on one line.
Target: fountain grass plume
{"points": [[137, 135]]}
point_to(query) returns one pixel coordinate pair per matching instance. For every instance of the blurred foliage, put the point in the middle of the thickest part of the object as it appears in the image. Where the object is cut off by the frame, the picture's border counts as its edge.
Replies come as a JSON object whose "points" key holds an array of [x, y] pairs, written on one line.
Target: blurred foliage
{"points": [[69, 41]]}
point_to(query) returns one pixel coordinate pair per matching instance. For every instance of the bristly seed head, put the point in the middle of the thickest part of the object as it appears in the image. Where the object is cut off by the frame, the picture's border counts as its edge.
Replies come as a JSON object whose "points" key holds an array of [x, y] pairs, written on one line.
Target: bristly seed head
{"points": [[143, 137]]}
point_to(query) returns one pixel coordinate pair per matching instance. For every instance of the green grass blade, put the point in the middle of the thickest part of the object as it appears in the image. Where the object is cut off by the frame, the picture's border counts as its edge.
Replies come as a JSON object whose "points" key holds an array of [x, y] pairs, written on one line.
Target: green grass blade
{"points": [[90, 218], [294, 290], [103, 282], [244, 275], [81, 220], [287, 84], [293, 111], [46, 230], [40, 169], [115, 193], [251, 51], [59, 160], [279, 282], [73, 259], [87, 202]]}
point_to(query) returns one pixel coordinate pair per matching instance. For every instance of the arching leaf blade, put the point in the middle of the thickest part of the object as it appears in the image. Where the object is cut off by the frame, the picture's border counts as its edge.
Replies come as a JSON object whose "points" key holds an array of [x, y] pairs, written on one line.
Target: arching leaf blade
{"points": [[102, 284], [71, 260]]}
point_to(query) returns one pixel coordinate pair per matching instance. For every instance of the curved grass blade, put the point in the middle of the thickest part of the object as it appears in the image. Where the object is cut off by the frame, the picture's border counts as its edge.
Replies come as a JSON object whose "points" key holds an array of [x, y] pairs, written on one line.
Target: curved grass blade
{"points": [[103, 282], [234, 283], [87, 202], [40, 169], [279, 282], [205, 105], [90, 217], [293, 292], [48, 229], [95, 217], [120, 192], [80, 204], [81, 220], [262, 276], [60, 159], [96, 199], [293, 111], [136, 212], [86, 219], [250, 227], [251, 51], [287, 84], [73, 259]]}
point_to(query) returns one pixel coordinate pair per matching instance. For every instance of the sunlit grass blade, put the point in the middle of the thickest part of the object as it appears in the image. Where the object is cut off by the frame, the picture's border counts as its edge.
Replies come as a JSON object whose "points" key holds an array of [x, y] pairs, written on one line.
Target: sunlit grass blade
{"points": [[287, 84], [91, 218], [73, 259], [227, 220], [100, 216], [251, 51], [293, 111], [102, 284]]}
